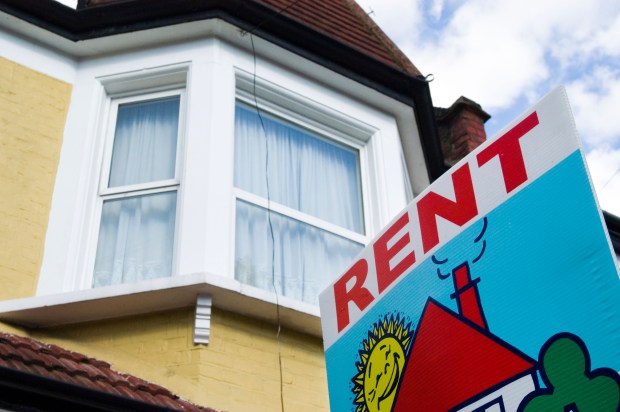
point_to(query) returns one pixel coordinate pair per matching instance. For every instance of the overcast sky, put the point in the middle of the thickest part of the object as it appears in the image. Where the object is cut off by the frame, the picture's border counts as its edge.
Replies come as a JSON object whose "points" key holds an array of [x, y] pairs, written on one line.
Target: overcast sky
{"points": [[507, 54]]}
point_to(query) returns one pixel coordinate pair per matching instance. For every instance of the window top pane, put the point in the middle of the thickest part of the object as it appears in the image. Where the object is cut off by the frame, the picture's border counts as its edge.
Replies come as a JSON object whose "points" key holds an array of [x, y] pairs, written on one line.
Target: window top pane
{"points": [[145, 142], [306, 172]]}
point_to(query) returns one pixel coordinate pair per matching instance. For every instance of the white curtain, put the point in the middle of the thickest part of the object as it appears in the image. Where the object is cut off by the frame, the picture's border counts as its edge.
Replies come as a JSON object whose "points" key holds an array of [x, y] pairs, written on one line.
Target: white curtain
{"points": [[136, 234], [306, 173], [145, 142]]}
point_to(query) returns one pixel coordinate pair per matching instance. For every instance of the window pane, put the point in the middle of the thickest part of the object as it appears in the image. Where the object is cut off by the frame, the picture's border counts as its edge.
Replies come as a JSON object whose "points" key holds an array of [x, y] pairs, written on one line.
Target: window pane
{"points": [[306, 172], [135, 239], [306, 258], [145, 142]]}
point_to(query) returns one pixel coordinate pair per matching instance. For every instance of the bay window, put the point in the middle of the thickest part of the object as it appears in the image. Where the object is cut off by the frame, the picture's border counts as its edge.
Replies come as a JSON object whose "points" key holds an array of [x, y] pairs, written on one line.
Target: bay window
{"points": [[170, 184], [138, 189], [299, 209]]}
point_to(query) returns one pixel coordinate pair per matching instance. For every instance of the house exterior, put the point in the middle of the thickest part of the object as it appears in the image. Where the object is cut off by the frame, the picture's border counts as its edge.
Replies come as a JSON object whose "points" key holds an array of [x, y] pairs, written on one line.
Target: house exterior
{"points": [[181, 178]]}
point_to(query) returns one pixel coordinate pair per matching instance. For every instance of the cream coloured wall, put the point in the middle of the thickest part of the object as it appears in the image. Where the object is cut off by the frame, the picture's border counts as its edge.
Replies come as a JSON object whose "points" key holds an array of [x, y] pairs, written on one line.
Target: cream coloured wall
{"points": [[33, 109], [241, 367]]}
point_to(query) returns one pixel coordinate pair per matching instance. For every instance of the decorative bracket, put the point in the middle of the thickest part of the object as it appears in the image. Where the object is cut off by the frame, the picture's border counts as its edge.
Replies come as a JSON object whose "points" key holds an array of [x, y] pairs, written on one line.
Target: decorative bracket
{"points": [[202, 321]]}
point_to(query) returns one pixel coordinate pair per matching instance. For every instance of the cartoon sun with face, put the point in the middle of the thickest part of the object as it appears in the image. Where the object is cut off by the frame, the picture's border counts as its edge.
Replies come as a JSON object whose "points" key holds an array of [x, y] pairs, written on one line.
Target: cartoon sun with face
{"points": [[381, 364]]}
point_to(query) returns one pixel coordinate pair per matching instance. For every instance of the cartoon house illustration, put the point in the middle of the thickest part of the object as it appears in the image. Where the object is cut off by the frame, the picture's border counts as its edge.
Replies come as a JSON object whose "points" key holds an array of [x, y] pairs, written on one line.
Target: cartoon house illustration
{"points": [[456, 364]]}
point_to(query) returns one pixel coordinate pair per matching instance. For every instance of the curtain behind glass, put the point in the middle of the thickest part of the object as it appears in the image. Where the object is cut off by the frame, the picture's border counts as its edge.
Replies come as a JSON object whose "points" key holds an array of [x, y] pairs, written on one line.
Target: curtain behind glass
{"points": [[135, 239], [145, 142], [306, 173], [306, 258], [136, 234]]}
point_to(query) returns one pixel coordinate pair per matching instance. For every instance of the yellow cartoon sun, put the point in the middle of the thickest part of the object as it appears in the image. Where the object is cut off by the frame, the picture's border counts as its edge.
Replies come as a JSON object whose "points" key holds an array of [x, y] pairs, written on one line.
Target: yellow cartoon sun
{"points": [[380, 367]]}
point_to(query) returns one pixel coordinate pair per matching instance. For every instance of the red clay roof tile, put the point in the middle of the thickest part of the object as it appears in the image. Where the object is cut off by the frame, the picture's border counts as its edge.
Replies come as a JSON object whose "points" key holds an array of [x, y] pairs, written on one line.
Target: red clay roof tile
{"points": [[341, 20], [346, 21], [53, 362]]}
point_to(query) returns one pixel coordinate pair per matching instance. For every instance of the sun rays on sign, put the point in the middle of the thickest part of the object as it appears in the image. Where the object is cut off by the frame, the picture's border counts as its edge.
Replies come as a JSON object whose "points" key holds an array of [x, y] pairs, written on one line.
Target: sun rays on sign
{"points": [[381, 364]]}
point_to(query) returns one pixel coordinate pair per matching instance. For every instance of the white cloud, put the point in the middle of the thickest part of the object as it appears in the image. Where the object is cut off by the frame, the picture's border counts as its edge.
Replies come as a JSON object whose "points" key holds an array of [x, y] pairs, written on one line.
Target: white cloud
{"points": [[402, 17], [437, 9], [507, 54], [608, 39], [595, 99], [490, 46]]}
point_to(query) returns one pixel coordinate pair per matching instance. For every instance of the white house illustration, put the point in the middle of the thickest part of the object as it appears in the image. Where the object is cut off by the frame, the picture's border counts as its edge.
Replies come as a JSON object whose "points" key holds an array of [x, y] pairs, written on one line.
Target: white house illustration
{"points": [[456, 364]]}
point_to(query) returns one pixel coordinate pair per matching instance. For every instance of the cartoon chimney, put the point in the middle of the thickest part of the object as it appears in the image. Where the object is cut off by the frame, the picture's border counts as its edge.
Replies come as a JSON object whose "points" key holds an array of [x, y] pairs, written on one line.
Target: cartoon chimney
{"points": [[467, 296]]}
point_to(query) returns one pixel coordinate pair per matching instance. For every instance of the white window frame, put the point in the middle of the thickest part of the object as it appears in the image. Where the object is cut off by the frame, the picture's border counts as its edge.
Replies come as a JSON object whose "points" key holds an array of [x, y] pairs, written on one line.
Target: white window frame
{"points": [[115, 192], [330, 135], [325, 123], [122, 89]]}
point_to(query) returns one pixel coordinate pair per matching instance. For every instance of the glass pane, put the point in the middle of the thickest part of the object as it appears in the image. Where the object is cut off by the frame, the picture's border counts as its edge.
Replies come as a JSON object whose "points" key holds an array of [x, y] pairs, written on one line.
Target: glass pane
{"points": [[306, 172], [135, 239], [145, 142], [306, 259]]}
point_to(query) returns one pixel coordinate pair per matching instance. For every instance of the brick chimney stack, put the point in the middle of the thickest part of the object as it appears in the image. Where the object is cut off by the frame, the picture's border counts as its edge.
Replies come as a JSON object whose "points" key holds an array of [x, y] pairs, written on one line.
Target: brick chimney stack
{"points": [[461, 128]]}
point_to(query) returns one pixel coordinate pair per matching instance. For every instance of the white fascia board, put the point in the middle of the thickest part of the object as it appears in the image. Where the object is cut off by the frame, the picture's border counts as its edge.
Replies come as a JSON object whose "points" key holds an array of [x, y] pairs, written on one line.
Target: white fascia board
{"points": [[159, 295], [136, 40]]}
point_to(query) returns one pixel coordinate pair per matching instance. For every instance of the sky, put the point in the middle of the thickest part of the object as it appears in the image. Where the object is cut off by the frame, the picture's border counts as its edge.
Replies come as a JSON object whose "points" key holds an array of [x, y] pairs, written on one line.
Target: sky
{"points": [[507, 54]]}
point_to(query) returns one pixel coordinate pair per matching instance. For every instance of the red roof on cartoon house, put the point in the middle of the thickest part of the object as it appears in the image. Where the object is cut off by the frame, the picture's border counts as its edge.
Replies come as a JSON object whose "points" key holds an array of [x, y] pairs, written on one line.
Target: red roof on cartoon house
{"points": [[452, 361]]}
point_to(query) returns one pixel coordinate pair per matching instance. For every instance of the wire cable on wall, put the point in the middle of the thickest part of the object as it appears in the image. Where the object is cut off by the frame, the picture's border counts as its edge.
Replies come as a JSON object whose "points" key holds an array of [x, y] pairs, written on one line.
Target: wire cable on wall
{"points": [[269, 211], [271, 232]]}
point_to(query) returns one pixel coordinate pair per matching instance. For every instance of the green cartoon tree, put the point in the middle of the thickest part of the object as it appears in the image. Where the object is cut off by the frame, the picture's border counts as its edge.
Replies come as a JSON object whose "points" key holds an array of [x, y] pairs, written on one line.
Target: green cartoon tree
{"points": [[564, 364]]}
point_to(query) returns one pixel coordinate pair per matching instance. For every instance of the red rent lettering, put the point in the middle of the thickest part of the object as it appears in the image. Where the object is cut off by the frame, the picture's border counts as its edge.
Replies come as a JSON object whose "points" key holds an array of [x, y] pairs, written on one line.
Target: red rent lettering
{"points": [[459, 212], [383, 254], [508, 149], [358, 294]]}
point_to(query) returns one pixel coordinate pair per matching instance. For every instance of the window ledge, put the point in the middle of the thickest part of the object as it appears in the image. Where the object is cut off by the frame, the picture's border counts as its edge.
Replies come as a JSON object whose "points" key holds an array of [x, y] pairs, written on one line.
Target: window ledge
{"points": [[158, 295]]}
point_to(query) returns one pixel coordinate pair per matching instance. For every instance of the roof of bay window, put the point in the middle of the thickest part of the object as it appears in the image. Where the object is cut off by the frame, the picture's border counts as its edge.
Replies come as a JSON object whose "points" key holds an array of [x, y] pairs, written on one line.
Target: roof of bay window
{"points": [[342, 20], [346, 21]]}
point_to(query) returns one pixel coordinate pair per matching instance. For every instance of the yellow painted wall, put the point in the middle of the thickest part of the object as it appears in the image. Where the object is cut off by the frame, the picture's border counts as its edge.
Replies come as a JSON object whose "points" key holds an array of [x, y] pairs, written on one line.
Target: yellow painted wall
{"points": [[241, 368], [33, 110], [238, 371]]}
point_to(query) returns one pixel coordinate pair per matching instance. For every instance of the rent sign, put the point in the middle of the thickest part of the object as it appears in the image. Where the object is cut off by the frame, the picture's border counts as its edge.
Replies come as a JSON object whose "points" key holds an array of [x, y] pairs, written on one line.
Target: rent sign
{"points": [[496, 289]]}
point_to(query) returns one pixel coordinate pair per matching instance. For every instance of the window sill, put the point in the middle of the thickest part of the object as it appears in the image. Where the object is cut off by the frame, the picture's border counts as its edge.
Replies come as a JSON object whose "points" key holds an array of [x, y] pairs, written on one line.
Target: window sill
{"points": [[158, 295]]}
